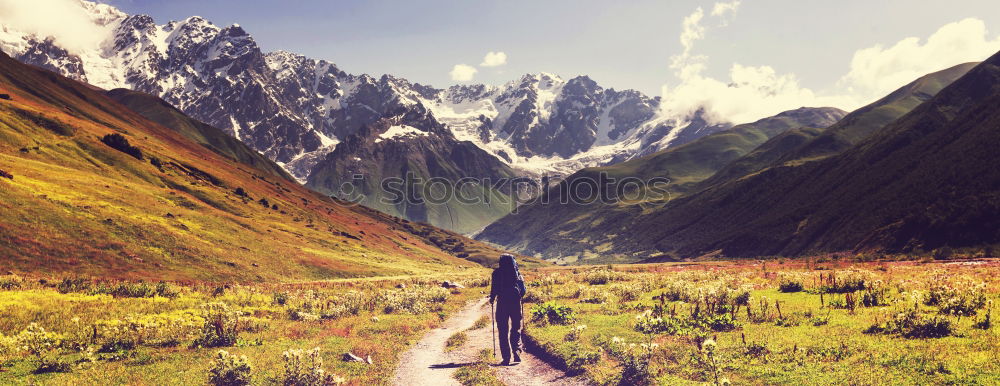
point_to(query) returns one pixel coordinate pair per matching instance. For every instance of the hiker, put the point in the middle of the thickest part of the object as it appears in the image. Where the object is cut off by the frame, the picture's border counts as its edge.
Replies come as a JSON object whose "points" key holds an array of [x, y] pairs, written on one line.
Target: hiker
{"points": [[508, 286]]}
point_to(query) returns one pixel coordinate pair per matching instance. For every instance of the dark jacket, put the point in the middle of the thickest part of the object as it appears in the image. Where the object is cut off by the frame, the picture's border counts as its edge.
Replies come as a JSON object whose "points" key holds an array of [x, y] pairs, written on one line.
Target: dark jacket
{"points": [[507, 283]]}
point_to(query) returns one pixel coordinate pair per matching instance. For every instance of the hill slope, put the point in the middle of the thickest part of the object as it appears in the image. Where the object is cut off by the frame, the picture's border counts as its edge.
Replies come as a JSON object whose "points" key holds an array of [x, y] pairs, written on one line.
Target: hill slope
{"points": [[925, 181], [589, 231], [75, 205], [159, 111], [549, 227], [797, 146]]}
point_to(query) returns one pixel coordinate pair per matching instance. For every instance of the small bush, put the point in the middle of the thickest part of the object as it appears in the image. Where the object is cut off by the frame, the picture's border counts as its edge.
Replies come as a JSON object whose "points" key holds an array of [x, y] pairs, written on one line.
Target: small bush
{"points": [[788, 285], [229, 370], [635, 371], [10, 282], [987, 322], [575, 333], [118, 142], [911, 324], [551, 313], [68, 285], [129, 290], [221, 328], [44, 346], [305, 368], [279, 298], [579, 358]]}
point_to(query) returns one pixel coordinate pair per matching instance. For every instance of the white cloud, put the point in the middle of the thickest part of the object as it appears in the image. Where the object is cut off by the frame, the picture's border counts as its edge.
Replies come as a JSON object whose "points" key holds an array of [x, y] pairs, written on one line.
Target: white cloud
{"points": [[876, 71], [754, 92], [462, 72], [493, 59], [72, 26], [721, 9], [750, 93]]}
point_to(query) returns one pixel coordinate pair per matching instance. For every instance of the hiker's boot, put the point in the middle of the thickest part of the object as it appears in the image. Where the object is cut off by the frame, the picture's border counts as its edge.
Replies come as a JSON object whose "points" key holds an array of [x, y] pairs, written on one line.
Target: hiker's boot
{"points": [[505, 362], [517, 358]]}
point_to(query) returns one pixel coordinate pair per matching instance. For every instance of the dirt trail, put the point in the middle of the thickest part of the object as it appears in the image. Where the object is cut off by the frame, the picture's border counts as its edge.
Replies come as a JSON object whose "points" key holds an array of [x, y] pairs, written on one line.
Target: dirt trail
{"points": [[427, 363]]}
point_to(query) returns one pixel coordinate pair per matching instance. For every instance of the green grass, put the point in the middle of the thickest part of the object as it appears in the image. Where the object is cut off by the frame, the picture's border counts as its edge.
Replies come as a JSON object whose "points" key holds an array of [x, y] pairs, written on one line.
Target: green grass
{"points": [[807, 343], [479, 373], [483, 321], [455, 341], [267, 329]]}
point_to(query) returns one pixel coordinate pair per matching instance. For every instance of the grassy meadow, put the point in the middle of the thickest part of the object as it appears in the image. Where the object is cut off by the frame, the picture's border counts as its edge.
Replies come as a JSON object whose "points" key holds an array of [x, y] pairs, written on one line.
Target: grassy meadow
{"points": [[770, 322], [76, 331]]}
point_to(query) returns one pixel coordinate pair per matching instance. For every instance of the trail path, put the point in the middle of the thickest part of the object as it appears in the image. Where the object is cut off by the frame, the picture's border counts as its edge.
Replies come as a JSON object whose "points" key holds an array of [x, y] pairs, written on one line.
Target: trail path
{"points": [[427, 362]]}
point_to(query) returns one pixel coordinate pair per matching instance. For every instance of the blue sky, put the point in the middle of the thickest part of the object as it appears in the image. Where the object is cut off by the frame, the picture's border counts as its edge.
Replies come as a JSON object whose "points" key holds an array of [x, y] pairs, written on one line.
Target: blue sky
{"points": [[623, 46], [739, 60]]}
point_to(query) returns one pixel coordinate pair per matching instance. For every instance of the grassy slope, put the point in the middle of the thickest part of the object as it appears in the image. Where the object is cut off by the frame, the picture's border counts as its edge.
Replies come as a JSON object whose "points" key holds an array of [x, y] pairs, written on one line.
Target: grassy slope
{"points": [[539, 225], [922, 182], [798, 146], [78, 206], [588, 234], [159, 111]]}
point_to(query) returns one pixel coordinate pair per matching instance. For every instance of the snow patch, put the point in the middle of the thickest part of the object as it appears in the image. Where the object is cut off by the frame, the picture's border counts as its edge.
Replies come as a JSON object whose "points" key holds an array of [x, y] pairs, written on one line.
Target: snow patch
{"points": [[400, 131]]}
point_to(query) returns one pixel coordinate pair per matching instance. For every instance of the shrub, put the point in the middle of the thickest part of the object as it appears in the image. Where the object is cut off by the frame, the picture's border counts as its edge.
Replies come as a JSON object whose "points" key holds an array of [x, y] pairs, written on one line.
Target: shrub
{"points": [[593, 295], [241, 192], [875, 297], [912, 324], [575, 333], [852, 283], [957, 299], [986, 322], [43, 345], [68, 285], [129, 290], [602, 276], [719, 322], [628, 292], [789, 285], [551, 313], [635, 371], [579, 358], [118, 142], [229, 370], [156, 162], [166, 290], [305, 368], [221, 328], [10, 282], [646, 323]]}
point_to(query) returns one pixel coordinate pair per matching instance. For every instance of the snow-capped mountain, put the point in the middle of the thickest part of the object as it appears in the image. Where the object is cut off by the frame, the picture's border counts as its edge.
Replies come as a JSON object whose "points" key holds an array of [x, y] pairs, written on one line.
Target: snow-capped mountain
{"points": [[542, 124], [295, 109]]}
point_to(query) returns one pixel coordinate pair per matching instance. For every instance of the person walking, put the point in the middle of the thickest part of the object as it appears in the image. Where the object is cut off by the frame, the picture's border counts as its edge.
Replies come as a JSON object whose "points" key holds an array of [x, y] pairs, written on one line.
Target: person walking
{"points": [[506, 289]]}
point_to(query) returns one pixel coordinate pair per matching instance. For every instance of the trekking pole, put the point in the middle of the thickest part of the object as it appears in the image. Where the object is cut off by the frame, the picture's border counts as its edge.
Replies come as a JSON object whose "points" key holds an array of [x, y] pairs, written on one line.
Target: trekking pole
{"points": [[494, 325]]}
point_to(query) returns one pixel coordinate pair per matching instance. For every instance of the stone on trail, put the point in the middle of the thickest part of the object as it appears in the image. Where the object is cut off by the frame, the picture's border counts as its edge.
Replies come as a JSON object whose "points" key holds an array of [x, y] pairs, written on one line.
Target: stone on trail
{"points": [[448, 284], [350, 357]]}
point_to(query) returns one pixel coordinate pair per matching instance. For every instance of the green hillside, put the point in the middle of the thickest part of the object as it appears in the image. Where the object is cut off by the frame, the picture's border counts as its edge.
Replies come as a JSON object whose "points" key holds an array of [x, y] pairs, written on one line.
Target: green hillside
{"points": [[926, 181], [159, 111], [547, 227], [92, 188]]}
